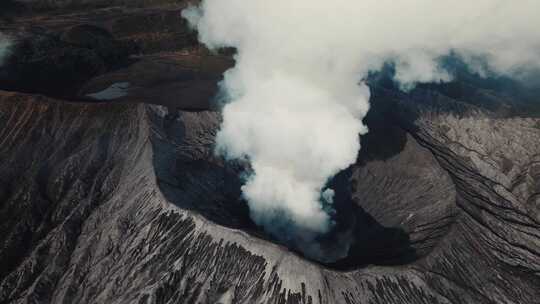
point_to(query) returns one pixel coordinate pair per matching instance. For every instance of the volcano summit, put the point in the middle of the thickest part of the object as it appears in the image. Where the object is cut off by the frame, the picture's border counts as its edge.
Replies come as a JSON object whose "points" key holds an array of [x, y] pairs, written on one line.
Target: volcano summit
{"points": [[138, 165]]}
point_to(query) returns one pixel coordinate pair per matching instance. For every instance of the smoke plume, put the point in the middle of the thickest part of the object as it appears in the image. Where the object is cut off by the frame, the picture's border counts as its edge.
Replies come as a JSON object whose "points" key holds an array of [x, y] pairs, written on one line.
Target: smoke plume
{"points": [[296, 97], [5, 44]]}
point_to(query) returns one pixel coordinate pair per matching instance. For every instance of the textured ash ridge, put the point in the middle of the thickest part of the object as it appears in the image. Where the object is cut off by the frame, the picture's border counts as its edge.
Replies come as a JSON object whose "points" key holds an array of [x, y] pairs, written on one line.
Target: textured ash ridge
{"points": [[85, 220], [107, 247], [126, 202], [498, 214]]}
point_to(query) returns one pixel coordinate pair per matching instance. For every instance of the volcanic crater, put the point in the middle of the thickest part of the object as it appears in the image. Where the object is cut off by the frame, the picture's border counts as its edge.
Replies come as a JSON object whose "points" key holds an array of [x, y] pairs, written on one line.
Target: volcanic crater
{"points": [[125, 201]]}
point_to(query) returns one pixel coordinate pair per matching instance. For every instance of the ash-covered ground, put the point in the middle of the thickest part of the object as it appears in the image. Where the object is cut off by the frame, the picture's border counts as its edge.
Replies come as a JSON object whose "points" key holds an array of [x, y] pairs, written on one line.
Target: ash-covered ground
{"points": [[110, 190]]}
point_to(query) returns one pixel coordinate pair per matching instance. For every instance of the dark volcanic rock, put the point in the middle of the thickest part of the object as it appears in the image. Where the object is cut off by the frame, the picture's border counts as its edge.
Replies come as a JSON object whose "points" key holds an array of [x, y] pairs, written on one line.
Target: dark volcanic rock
{"points": [[73, 55], [58, 63], [186, 81], [98, 40]]}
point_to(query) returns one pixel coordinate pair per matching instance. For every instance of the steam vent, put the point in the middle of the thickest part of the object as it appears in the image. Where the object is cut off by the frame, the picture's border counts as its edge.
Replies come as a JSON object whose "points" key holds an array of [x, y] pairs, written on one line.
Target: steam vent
{"points": [[283, 152]]}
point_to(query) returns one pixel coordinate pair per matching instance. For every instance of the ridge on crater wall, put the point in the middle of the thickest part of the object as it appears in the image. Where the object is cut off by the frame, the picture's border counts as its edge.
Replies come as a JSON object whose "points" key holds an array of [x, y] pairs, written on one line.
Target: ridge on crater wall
{"points": [[91, 209]]}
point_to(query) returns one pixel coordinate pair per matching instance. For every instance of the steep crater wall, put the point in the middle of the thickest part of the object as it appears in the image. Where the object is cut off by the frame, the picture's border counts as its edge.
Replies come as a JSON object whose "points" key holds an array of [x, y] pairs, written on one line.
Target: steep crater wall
{"points": [[392, 206]]}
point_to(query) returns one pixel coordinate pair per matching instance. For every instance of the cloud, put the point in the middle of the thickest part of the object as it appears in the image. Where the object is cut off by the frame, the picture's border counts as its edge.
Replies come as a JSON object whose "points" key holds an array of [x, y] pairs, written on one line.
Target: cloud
{"points": [[296, 96]]}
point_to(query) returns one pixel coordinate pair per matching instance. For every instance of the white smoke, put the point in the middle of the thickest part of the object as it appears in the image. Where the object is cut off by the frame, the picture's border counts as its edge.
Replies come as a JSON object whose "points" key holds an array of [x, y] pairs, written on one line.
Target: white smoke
{"points": [[5, 45], [296, 96]]}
